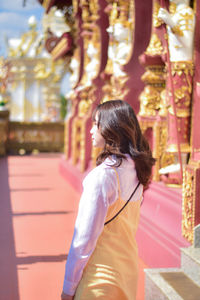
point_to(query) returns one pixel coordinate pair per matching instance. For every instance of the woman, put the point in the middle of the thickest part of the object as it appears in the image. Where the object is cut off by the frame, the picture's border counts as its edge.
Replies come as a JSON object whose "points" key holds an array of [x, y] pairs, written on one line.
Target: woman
{"points": [[103, 261]]}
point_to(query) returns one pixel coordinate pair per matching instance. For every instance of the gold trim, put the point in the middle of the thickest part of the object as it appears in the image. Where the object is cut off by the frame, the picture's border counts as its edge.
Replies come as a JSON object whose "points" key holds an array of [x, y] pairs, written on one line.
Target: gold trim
{"points": [[62, 44], [180, 67], [155, 46], [157, 22], [46, 3], [174, 149], [172, 8], [177, 30], [159, 129], [188, 203], [181, 113]]}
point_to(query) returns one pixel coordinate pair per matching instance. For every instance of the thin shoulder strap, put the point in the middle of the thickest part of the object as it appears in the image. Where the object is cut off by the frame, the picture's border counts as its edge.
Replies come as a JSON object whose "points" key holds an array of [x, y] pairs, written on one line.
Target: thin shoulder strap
{"points": [[123, 205]]}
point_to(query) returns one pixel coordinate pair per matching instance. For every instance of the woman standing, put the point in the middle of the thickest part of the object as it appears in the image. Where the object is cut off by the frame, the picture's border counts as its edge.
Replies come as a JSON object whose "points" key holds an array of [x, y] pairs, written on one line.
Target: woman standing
{"points": [[103, 259]]}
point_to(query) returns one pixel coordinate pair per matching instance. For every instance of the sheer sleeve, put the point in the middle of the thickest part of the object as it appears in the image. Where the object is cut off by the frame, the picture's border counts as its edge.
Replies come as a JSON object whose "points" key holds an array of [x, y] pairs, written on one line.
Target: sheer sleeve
{"points": [[99, 190]]}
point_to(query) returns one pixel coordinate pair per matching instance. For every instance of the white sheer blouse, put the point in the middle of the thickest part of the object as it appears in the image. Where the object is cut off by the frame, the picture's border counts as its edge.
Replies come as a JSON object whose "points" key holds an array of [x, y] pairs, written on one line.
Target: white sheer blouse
{"points": [[100, 190]]}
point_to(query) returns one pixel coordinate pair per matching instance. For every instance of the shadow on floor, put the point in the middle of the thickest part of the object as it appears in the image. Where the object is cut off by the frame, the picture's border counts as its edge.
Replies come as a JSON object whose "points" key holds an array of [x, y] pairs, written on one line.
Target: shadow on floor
{"points": [[27, 260], [8, 273]]}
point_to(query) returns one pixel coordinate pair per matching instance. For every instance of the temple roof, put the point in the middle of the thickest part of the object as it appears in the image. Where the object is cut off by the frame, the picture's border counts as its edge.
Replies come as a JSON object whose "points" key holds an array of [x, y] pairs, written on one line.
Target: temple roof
{"points": [[33, 43], [30, 44]]}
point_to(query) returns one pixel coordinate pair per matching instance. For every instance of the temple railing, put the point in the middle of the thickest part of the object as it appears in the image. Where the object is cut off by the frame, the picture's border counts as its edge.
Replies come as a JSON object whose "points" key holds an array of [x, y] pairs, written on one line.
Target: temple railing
{"points": [[25, 137]]}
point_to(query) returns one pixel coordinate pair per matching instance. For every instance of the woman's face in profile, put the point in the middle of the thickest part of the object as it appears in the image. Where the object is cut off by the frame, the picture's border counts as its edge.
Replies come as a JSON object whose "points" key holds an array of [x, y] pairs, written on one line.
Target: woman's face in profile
{"points": [[97, 139]]}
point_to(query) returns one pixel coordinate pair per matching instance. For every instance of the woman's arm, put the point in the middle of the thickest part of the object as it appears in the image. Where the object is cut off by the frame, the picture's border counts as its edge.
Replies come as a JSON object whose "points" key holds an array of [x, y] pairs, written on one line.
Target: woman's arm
{"points": [[66, 297], [100, 187]]}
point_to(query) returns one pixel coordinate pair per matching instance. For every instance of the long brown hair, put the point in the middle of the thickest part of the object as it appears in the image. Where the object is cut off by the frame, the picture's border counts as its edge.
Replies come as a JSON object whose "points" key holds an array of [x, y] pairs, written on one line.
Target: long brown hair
{"points": [[120, 129]]}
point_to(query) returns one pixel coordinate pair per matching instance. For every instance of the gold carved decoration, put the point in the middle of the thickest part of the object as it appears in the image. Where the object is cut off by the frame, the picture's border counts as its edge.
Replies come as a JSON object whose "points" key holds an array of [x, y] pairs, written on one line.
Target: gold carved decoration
{"points": [[186, 21], [181, 113], [185, 148], [180, 93], [159, 130], [153, 111], [75, 7], [159, 141], [149, 101], [157, 22], [163, 104], [155, 46], [67, 145], [166, 158], [188, 209], [89, 12], [46, 3], [74, 67], [27, 39], [83, 107], [183, 67], [91, 41], [183, 92], [40, 71], [78, 142], [94, 8], [85, 88], [154, 75], [112, 20], [177, 30], [108, 95], [172, 8], [86, 98], [119, 89], [121, 27]]}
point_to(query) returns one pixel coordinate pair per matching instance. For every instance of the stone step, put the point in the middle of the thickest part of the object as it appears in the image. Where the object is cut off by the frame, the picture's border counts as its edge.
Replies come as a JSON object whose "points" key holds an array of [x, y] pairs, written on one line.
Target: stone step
{"points": [[170, 284], [190, 263]]}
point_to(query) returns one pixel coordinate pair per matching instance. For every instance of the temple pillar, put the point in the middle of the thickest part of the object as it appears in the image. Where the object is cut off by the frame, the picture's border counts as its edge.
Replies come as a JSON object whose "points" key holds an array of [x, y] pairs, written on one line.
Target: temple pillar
{"points": [[86, 93], [153, 114], [191, 178]]}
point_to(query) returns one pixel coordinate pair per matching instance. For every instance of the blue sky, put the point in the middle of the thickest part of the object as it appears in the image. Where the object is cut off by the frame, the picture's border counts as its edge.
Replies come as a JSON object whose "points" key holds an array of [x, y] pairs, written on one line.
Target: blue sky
{"points": [[14, 19]]}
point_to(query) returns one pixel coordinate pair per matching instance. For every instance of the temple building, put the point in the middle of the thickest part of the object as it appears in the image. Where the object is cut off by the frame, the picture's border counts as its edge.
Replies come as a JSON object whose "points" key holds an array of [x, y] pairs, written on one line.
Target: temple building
{"points": [[148, 54], [36, 78], [31, 99]]}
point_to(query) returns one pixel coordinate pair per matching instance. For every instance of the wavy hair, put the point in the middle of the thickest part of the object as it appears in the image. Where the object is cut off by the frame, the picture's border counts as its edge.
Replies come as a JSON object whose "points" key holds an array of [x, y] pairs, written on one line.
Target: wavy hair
{"points": [[120, 129]]}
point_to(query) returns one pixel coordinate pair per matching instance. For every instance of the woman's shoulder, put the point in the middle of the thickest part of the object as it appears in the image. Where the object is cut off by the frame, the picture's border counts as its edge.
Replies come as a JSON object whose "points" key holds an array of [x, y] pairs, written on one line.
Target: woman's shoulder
{"points": [[103, 173]]}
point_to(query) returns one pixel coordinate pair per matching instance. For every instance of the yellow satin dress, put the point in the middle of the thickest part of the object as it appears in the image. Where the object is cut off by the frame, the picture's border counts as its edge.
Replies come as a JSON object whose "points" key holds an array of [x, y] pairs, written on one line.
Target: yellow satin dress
{"points": [[112, 270]]}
